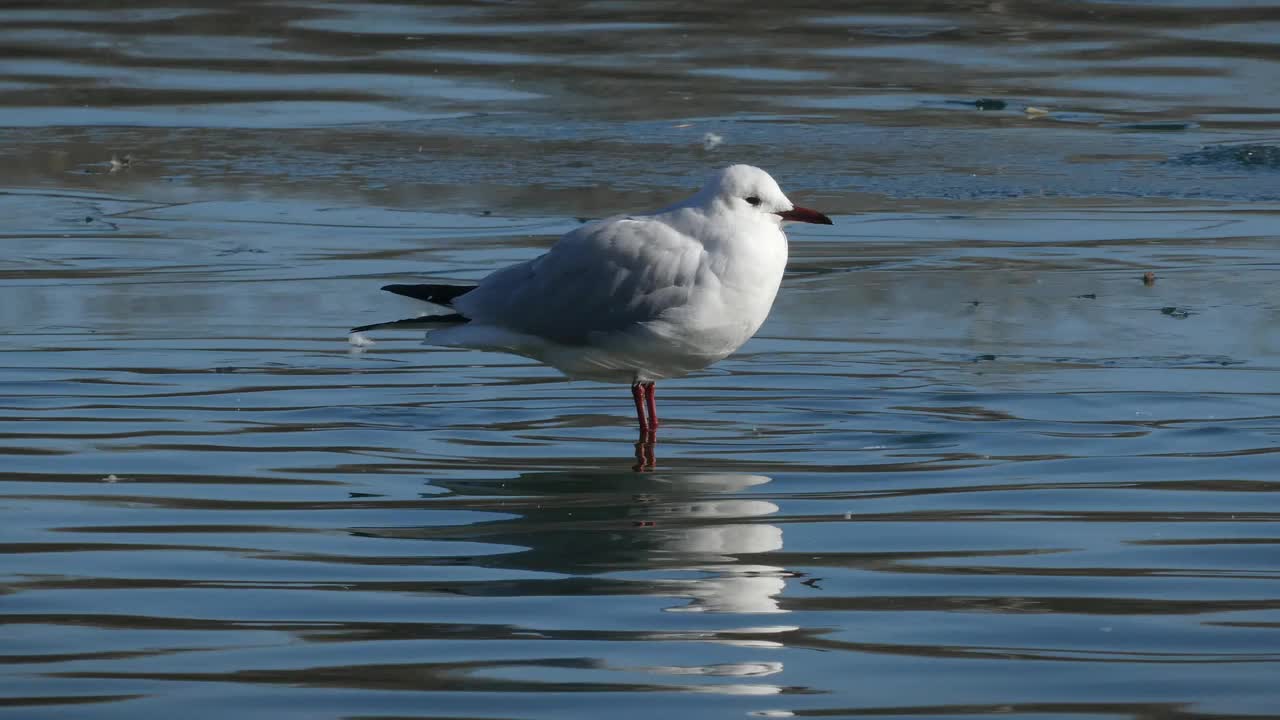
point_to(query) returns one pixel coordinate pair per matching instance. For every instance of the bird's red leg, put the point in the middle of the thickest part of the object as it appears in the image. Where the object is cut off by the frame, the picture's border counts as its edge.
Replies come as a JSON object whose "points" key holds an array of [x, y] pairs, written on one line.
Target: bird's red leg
{"points": [[651, 400], [638, 394]]}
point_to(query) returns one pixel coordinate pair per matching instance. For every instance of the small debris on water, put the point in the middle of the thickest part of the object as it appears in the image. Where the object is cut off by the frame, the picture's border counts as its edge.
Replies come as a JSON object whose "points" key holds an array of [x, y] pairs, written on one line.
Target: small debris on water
{"points": [[120, 163], [241, 248], [1088, 296], [1035, 112], [1159, 126], [1148, 278], [989, 104], [711, 141], [1176, 312], [1252, 155]]}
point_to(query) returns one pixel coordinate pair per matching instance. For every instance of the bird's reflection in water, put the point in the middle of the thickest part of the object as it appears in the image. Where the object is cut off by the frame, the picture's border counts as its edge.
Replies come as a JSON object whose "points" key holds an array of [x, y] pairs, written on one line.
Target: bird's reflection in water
{"points": [[603, 543], [604, 527], [697, 532], [646, 452]]}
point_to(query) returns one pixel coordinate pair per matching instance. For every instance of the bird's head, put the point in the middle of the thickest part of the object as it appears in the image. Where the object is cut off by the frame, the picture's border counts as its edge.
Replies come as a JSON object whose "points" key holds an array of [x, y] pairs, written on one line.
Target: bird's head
{"points": [[745, 188]]}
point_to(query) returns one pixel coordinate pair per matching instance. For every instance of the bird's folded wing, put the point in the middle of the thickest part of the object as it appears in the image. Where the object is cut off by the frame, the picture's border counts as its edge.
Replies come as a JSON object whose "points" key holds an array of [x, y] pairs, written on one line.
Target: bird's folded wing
{"points": [[601, 278]]}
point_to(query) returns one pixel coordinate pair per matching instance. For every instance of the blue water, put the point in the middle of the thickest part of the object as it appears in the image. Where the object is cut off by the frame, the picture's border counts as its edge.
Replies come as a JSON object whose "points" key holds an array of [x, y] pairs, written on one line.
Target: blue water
{"points": [[973, 465]]}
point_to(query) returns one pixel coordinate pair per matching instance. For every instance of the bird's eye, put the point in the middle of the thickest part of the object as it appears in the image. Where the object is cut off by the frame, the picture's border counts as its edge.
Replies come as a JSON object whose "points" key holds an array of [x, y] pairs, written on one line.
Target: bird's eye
{"points": [[753, 200]]}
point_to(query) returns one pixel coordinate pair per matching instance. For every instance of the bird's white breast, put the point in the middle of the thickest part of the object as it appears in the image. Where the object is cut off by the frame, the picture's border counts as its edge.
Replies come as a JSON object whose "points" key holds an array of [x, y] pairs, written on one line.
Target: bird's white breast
{"points": [[740, 271]]}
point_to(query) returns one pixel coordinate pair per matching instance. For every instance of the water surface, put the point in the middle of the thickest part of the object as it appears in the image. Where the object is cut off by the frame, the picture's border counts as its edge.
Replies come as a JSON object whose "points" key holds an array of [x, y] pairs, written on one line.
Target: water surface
{"points": [[973, 465]]}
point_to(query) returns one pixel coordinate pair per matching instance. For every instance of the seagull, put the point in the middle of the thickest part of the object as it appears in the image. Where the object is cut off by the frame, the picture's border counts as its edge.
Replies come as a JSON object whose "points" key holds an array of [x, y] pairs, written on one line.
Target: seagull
{"points": [[633, 298]]}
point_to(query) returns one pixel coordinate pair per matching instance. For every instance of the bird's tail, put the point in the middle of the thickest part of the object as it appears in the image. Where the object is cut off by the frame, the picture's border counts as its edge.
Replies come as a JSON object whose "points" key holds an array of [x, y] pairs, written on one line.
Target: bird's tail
{"points": [[414, 322], [437, 294]]}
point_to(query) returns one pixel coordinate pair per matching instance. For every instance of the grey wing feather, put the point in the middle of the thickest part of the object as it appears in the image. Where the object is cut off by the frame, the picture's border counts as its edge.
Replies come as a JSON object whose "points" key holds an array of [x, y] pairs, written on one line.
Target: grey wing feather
{"points": [[601, 278]]}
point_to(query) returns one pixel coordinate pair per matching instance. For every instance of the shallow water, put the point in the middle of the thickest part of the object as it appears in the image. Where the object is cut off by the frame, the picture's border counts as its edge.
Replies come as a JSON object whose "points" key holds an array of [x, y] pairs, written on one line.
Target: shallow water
{"points": [[971, 466]]}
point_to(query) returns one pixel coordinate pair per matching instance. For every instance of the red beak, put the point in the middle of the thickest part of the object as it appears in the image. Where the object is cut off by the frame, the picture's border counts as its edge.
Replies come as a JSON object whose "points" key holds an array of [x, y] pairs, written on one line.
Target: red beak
{"points": [[800, 214]]}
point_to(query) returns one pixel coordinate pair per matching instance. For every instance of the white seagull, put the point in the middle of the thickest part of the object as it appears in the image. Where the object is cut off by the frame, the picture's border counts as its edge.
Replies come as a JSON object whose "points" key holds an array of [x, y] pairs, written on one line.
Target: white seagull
{"points": [[633, 298]]}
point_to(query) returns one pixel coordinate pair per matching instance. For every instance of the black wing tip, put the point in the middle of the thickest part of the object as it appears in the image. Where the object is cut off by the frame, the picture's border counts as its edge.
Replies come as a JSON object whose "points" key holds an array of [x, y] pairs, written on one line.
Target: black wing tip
{"points": [[451, 319], [399, 289], [429, 292]]}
